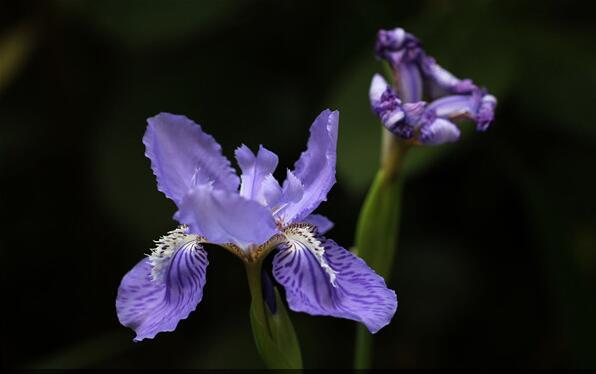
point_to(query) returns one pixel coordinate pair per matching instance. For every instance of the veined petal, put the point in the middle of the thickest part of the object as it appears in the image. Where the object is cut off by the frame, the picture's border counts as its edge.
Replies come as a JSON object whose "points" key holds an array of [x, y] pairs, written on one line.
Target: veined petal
{"points": [[255, 170], [409, 82], [165, 288], [316, 167], [440, 131], [182, 155], [226, 217], [322, 223], [322, 278]]}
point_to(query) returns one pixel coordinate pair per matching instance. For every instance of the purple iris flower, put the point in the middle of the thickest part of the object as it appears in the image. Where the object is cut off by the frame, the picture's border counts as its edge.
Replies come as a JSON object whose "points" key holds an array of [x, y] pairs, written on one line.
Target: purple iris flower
{"points": [[426, 99], [249, 216]]}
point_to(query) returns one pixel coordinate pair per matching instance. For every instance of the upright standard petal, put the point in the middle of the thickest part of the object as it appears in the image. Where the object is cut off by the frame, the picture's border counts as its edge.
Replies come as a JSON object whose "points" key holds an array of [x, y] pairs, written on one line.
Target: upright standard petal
{"points": [[165, 288], [322, 278], [316, 167], [226, 217], [257, 180], [182, 155], [322, 223]]}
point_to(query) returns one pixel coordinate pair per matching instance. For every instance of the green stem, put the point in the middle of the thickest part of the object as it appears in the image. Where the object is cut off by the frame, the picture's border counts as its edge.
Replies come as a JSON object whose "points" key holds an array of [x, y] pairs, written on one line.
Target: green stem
{"points": [[274, 334], [253, 273], [363, 357], [378, 228]]}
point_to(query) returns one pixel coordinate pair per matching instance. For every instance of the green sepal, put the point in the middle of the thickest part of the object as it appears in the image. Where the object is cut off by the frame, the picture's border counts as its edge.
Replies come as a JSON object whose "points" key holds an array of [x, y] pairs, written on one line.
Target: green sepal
{"points": [[275, 337]]}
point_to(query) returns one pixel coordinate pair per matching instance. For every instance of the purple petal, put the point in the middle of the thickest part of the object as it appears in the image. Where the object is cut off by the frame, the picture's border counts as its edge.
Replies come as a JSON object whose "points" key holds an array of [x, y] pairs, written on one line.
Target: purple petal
{"points": [[270, 192], [149, 305], [226, 217], [456, 106], [397, 46], [386, 104], [409, 82], [292, 192], [257, 181], [440, 131], [402, 51], [316, 166], [476, 106], [441, 82], [322, 223], [378, 85], [486, 112], [182, 155], [339, 285]]}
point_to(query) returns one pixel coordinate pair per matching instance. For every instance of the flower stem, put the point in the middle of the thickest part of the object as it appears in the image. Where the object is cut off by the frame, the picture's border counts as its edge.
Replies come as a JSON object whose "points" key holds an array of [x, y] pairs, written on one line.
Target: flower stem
{"points": [[363, 357], [378, 228], [253, 273], [272, 329]]}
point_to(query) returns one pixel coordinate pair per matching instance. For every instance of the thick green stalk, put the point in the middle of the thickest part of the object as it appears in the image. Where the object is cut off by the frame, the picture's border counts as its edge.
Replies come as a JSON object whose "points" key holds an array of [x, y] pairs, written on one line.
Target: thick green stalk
{"points": [[378, 228], [274, 334], [253, 273]]}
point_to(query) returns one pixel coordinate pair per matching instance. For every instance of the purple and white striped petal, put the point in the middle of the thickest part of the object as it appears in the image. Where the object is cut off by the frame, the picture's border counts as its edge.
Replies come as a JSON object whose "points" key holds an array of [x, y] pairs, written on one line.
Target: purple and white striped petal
{"points": [[486, 112], [322, 278], [258, 183], [378, 85], [165, 288], [316, 167], [402, 51], [397, 46], [440, 131], [182, 155], [385, 103], [226, 217]]}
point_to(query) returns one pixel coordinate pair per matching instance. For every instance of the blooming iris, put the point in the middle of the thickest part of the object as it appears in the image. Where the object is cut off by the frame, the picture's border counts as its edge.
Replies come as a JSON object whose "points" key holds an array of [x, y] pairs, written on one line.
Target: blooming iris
{"points": [[417, 76], [249, 216]]}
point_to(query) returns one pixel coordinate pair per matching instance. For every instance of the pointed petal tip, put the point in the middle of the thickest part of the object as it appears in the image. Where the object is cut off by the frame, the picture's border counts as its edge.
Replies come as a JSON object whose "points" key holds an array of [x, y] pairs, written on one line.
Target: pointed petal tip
{"points": [[316, 166]]}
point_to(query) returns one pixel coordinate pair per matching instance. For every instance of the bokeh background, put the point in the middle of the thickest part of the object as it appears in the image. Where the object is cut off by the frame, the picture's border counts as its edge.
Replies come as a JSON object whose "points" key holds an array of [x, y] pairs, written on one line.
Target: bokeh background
{"points": [[497, 256]]}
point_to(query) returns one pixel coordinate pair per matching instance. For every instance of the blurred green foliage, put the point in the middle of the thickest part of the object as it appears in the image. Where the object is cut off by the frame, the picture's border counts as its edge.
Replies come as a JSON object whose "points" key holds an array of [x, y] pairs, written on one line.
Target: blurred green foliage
{"points": [[497, 261]]}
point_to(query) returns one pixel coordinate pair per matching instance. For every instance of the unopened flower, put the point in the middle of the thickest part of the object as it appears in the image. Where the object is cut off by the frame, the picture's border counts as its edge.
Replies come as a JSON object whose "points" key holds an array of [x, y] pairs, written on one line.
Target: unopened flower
{"points": [[424, 100], [249, 216]]}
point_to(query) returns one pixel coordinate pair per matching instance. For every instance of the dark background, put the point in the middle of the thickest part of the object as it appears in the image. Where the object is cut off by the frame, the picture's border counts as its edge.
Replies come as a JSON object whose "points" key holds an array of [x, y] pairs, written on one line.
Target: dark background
{"points": [[497, 258]]}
